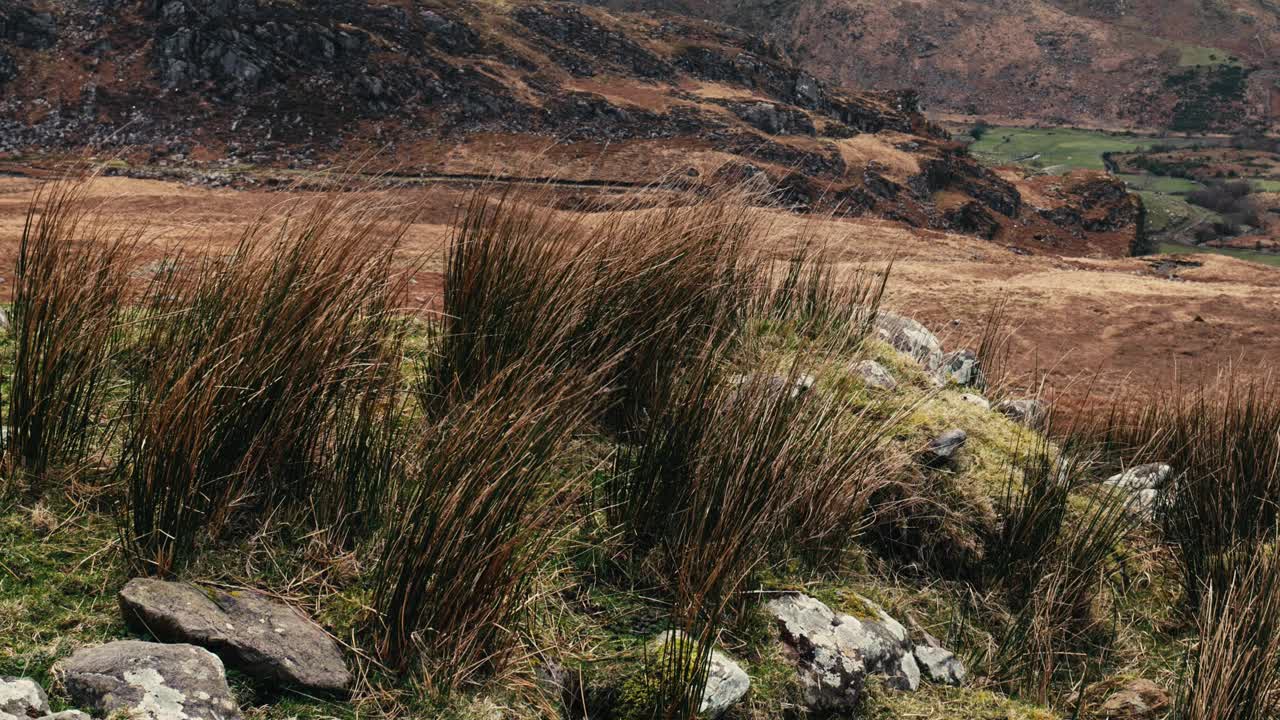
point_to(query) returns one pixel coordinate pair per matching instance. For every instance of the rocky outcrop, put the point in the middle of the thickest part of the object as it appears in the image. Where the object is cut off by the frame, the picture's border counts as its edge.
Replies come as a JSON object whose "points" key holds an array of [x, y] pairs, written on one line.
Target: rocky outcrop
{"points": [[250, 632], [436, 72], [834, 652], [148, 681], [22, 698], [874, 375], [727, 682], [911, 338]]}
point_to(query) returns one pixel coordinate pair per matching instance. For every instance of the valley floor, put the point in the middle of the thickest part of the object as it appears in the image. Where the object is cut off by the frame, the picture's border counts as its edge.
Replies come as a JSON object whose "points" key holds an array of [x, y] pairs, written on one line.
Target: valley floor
{"points": [[1087, 323]]}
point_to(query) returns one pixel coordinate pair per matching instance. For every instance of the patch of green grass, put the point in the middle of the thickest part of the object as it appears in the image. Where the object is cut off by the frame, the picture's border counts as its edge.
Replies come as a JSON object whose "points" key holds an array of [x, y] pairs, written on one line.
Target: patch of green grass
{"points": [[1168, 211], [1272, 259], [1197, 55], [60, 571], [937, 702], [1266, 185], [1160, 184], [1062, 149]]}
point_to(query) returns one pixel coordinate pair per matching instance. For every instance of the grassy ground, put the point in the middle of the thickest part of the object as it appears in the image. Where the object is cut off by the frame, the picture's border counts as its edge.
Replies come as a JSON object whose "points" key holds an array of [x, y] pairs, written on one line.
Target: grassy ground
{"points": [[1057, 149], [1197, 55], [1251, 255], [1165, 211]]}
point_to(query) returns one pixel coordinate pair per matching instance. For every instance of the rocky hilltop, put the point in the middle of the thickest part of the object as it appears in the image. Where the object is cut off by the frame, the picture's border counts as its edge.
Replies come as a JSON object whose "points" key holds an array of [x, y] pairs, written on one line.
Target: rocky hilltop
{"points": [[523, 89], [1184, 65]]}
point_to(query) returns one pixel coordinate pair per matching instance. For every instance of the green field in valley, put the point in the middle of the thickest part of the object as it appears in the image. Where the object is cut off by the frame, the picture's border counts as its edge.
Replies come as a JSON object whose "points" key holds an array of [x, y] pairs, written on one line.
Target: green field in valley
{"points": [[1253, 255], [1059, 149]]}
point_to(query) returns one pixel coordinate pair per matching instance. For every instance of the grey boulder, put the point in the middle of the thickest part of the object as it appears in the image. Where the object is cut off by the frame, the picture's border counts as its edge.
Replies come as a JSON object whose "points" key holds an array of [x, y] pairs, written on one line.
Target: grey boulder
{"points": [[1143, 484], [22, 698], [945, 446], [835, 652], [911, 338], [250, 632], [149, 681], [874, 375], [1151, 476], [1028, 411], [961, 367], [727, 682], [938, 664]]}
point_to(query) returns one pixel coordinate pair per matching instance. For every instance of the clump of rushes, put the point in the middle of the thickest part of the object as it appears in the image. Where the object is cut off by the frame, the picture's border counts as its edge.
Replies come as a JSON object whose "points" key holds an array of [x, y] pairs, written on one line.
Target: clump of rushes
{"points": [[1050, 560], [1221, 440], [69, 289], [639, 286], [480, 505], [514, 281], [243, 362], [812, 296], [1231, 673]]}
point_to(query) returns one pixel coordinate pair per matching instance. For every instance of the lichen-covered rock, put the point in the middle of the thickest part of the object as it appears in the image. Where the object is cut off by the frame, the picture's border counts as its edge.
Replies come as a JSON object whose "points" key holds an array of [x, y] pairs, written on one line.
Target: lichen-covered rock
{"points": [[945, 446], [249, 631], [1143, 484], [1142, 477], [938, 664], [975, 399], [874, 375], [67, 715], [911, 338], [835, 652], [22, 698], [1028, 411], [727, 682], [149, 681], [961, 367]]}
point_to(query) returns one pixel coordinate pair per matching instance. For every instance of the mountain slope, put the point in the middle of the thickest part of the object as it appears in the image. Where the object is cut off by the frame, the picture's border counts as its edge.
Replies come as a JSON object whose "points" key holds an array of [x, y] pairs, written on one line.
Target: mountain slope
{"points": [[1187, 65], [524, 89]]}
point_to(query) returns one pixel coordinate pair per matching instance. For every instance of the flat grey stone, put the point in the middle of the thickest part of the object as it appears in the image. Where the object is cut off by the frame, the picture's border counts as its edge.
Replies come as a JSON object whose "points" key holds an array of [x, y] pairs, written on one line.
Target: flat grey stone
{"points": [[249, 631], [940, 665], [874, 375], [835, 652], [22, 698], [727, 682], [148, 681], [945, 446]]}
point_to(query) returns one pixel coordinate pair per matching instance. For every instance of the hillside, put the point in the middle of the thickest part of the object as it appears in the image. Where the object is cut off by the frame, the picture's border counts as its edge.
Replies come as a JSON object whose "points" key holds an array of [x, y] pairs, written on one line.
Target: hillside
{"points": [[446, 89], [1184, 65]]}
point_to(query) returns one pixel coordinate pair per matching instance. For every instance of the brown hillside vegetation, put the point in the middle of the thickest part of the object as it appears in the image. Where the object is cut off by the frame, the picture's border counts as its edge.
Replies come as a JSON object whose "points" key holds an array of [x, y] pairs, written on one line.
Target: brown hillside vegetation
{"points": [[1137, 321], [524, 89], [1144, 63]]}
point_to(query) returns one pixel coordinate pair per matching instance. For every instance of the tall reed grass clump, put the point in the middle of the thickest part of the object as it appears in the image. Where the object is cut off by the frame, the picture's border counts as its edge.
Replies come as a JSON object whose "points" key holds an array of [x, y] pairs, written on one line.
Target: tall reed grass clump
{"points": [[1231, 672], [69, 293], [1222, 440], [243, 361], [483, 496], [1050, 560], [635, 289]]}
